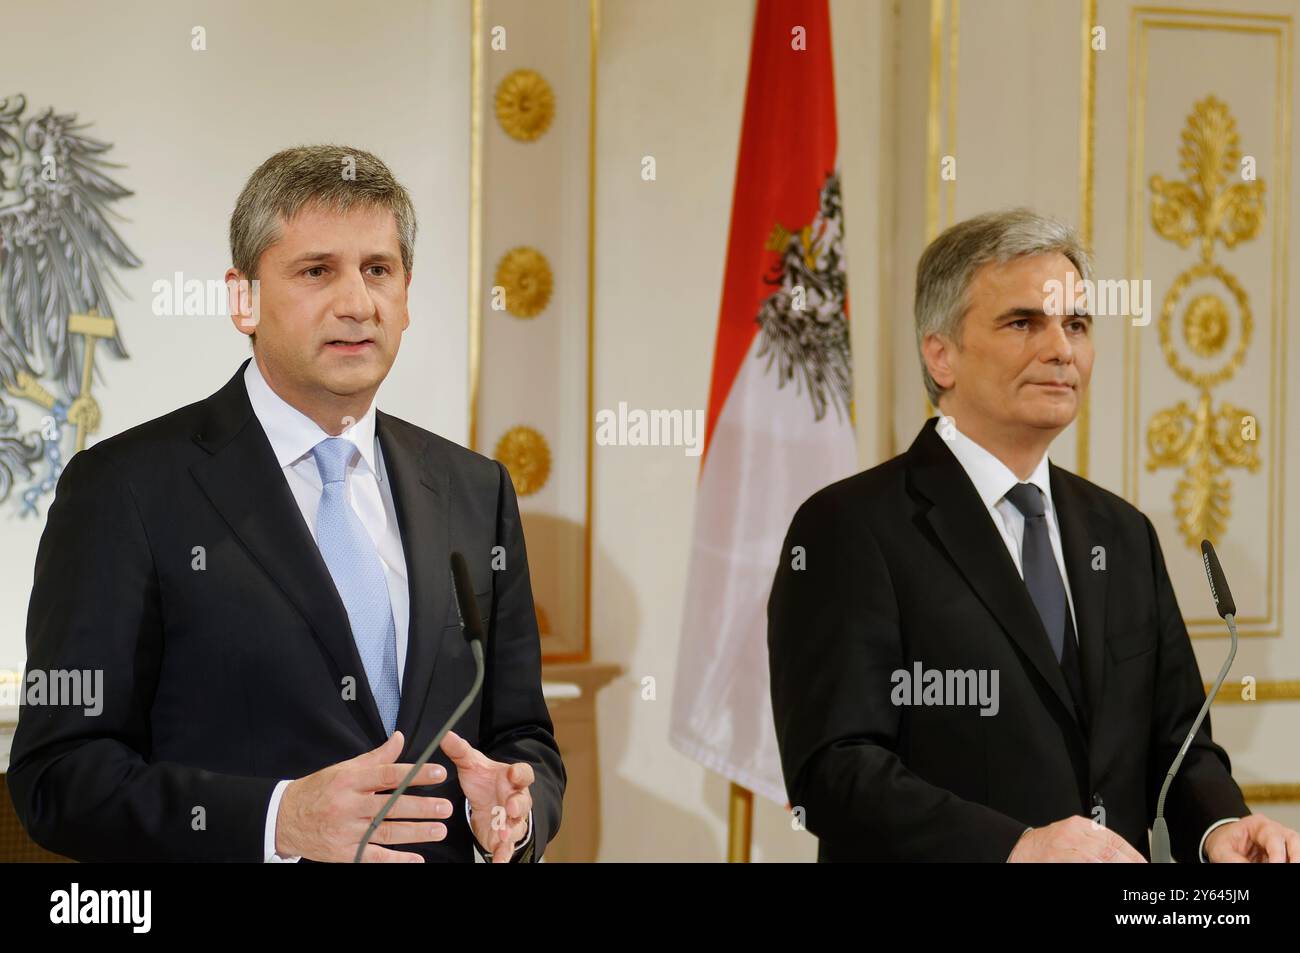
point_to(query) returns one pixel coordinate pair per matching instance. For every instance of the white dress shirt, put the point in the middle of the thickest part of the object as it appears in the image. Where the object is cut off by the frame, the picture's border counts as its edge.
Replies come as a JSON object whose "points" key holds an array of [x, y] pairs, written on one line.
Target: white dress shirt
{"points": [[992, 479], [292, 435]]}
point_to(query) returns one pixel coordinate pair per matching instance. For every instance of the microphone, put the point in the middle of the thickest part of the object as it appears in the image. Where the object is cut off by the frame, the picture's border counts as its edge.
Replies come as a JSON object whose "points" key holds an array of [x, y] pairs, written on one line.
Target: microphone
{"points": [[1218, 585], [1160, 849], [472, 628]]}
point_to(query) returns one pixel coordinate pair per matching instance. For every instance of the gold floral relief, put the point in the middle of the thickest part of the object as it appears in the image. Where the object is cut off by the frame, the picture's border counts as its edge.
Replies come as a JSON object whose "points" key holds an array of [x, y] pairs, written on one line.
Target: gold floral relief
{"points": [[1211, 204], [1207, 205]]}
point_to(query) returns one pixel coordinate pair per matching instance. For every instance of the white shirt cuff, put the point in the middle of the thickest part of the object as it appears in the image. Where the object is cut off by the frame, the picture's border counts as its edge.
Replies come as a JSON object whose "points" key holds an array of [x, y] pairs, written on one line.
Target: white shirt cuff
{"points": [[528, 834], [1200, 852], [269, 856]]}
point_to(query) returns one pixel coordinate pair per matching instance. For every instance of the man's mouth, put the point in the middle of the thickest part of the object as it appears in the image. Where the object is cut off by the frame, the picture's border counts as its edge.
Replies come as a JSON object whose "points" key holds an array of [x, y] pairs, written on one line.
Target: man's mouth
{"points": [[1059, 385], [350, 346]]}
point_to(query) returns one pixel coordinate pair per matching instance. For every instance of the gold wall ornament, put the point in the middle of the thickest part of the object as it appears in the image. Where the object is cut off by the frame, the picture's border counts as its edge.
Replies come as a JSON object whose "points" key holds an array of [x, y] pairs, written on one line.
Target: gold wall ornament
{"points": [[526, 276], [1196, 326], [524, 452], [1205, 441], [1270, 793], [1265, 690], [1203, 205], [1205, 325], [525, 105]]}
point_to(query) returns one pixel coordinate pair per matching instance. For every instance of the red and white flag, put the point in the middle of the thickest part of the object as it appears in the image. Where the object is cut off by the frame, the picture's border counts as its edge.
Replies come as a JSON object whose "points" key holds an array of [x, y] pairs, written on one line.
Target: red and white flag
{"points": [[779, 421]]}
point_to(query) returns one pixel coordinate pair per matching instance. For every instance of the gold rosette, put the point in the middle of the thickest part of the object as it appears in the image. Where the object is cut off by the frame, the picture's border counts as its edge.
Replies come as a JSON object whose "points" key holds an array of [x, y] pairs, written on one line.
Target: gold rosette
{"points": [[524, 452], [525, 105], [525, 275]]}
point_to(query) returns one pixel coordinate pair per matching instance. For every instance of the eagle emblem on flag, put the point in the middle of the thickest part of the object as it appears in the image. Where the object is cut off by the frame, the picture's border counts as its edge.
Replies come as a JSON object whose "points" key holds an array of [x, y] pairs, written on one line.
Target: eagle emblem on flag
{"points": [[805, 327]]}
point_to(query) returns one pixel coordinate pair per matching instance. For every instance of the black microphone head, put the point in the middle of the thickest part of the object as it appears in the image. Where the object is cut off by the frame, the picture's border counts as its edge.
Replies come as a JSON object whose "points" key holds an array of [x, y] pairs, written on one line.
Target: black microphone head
{"points": [[1218, 584], [466, 604]]}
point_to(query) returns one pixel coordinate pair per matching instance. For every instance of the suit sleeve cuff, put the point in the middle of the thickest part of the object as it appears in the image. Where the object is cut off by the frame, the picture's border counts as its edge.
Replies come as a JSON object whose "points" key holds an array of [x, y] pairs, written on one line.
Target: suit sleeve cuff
{"points": [[487, 854], [269, 856], [1200, 851]]}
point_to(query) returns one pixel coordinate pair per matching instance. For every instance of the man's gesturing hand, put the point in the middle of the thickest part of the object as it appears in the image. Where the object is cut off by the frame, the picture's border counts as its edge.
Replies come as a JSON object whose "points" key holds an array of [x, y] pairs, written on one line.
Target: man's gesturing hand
{"points": [[324, 815], [1255, 839], [499, 801], [1075, 839]]}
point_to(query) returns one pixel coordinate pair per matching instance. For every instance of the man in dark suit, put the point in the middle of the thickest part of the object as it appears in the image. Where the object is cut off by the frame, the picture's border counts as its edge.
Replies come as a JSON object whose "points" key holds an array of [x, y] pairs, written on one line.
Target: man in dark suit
{"points": [[263, 579], [976, 655]]}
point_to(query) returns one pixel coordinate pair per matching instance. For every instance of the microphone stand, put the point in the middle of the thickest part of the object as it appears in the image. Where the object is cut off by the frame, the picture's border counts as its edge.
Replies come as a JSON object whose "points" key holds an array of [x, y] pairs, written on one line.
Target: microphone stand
{"points": [[1161, 853]]}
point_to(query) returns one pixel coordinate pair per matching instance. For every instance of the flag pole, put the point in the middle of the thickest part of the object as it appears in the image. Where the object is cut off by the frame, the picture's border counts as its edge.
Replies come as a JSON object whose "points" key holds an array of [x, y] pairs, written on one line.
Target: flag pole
{"points": [[740, 822]]}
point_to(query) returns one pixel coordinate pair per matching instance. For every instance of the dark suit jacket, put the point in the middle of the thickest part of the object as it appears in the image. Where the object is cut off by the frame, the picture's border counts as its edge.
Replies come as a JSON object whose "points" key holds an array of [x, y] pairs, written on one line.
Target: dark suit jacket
{"points": [[904, 564], [218, 682]]}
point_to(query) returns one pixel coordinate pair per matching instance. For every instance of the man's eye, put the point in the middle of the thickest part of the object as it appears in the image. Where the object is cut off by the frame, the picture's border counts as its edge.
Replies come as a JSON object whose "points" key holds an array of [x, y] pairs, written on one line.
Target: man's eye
{"points": [[308, 272], [383, 270], [1080, 326], [1020, 323]]}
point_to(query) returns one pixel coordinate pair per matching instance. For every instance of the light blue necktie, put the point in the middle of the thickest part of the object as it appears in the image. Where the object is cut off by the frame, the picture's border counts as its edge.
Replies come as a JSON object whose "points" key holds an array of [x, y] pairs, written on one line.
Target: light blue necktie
{"points": [[358, 574]]}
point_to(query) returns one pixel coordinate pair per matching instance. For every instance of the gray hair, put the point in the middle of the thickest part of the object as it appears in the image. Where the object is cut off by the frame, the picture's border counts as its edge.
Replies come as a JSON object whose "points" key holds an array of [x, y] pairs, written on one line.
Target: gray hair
{"points": [[944, 273], [331, 176]]}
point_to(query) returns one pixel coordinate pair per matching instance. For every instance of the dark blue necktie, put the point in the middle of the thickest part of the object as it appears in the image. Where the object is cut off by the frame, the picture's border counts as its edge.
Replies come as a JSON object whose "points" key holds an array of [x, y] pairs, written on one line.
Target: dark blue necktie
{"points": [[1043, 579]]}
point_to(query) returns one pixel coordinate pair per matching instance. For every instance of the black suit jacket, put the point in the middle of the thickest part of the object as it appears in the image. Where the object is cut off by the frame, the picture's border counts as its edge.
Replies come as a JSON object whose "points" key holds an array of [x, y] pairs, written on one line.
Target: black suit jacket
{"points": [[220, 681], [905, 565]]}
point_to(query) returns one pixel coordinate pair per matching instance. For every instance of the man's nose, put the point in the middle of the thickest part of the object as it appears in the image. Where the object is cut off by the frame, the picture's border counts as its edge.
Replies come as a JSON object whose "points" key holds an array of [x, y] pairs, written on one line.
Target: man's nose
{"points": [[1057, 345], [353, 298]]}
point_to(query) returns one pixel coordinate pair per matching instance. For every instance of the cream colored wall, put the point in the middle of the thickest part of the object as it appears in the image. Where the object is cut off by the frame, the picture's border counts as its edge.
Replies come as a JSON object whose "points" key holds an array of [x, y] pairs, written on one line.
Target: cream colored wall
{"points": [[672, 85], [660, 252], [533, 370], [190, 126]]}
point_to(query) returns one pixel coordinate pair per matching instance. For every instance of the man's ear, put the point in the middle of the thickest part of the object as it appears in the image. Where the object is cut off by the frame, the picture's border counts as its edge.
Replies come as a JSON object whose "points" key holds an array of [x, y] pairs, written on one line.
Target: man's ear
{"points": [[938, 352], [241, 301]]}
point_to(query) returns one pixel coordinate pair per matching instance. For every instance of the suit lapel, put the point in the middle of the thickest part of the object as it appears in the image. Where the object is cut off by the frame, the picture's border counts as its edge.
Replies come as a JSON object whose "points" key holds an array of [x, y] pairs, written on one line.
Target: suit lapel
{"points": [[1084, 527], [421, 494], [964, 527], [243, 480]]}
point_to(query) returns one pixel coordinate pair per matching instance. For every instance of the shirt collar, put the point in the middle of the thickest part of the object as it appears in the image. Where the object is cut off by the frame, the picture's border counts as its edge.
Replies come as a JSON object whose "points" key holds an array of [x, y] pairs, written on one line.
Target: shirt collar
{"points": [[292, 433], [992, 477]]}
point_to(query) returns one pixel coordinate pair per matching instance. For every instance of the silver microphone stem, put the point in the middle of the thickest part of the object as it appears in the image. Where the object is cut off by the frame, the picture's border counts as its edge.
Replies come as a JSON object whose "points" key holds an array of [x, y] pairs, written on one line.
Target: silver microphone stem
{"points": [[475, 647], [1160, 849]]}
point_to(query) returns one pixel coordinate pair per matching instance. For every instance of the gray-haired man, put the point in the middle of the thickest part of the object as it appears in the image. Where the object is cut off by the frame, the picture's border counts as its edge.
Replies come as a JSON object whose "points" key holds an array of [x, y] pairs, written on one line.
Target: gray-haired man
{"points": [[970, 560]]}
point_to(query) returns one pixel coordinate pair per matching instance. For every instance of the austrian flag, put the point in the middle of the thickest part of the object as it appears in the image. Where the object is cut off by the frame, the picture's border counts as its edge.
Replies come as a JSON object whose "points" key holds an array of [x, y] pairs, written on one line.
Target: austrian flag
{"points": [[779, 423]]}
